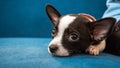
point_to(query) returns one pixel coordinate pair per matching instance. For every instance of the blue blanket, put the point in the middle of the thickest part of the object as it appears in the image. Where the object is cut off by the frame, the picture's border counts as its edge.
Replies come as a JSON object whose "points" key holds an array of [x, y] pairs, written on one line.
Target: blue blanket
{"points": [[32, 53]]}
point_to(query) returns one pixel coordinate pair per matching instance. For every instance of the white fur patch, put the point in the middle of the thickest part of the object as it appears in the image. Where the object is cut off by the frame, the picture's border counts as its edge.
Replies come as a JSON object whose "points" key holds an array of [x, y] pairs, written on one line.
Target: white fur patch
{"points": [[63, 24]]}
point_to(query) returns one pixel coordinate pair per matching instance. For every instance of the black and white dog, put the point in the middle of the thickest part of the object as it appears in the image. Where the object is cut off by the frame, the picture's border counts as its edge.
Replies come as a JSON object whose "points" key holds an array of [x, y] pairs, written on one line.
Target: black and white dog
{"points": [[81, 33]]}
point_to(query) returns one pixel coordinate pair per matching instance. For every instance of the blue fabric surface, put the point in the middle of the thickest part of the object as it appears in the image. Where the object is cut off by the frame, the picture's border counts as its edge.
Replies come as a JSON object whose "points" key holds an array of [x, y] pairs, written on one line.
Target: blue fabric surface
{"points": [[32, 53]]}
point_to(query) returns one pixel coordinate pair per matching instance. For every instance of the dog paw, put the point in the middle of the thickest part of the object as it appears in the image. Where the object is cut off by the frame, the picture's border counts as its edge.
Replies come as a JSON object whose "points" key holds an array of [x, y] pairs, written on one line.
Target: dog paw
{"points": [[93, 50]]}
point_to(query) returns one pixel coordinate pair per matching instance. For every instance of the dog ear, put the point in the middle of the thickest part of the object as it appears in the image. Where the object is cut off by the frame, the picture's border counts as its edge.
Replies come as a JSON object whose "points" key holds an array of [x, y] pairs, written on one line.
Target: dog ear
{"points": [[53, 14], [101, 29]]}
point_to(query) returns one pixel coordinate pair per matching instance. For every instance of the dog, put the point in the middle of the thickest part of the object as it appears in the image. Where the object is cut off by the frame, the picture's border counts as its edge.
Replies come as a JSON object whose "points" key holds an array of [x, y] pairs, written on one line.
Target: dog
{"points": [[82, 33]]}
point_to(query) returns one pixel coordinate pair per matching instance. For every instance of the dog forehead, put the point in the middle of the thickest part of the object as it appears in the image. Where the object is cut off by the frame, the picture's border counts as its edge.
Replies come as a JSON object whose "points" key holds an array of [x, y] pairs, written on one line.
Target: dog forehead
{"points": [[65, 21]]}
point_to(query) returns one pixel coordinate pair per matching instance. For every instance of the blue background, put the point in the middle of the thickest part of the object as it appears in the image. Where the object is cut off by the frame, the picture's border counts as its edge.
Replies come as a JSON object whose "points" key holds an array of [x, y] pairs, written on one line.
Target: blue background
{"points": [[27, 18]]}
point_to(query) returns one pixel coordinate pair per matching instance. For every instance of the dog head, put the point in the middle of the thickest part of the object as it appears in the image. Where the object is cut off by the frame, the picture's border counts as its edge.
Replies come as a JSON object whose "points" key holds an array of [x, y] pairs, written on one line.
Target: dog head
{"points": [[74, 33]]}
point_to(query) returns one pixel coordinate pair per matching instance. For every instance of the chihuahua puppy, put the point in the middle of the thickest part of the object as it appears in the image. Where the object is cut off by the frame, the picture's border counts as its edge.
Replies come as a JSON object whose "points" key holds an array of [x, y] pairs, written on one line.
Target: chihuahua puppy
{"points": [[82, 33]]}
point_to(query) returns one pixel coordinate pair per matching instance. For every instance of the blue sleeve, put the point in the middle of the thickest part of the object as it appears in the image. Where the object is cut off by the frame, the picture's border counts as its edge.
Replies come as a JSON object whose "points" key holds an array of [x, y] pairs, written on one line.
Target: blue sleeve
{"points": [[113, 9]]}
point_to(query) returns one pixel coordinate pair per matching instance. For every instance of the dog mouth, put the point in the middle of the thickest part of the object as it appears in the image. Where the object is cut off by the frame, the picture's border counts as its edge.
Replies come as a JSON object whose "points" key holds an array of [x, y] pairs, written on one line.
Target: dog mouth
{"points": [[70, 53]]}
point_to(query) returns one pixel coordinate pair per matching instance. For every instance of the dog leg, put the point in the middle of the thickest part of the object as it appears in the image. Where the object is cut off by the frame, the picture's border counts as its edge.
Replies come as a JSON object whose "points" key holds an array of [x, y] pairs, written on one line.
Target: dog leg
{"points": [[96, 49]]}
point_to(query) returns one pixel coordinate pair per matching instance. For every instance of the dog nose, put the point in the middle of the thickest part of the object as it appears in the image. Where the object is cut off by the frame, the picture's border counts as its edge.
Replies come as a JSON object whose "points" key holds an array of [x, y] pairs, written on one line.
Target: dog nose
{"points": [[53, 48]]}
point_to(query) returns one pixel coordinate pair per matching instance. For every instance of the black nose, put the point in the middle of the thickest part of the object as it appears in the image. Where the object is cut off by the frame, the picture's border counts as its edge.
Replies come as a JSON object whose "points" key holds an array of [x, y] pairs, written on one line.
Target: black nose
{"points": [[53, 48]]}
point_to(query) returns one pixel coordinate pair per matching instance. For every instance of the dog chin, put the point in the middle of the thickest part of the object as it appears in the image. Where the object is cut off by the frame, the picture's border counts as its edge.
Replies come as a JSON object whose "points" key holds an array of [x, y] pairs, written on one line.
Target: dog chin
{"points": [[60, 54]]}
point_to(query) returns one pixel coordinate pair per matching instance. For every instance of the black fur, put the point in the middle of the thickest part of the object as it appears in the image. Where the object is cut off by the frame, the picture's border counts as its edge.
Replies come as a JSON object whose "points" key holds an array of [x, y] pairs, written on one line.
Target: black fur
{"points": [[113, 41], [79, 26]]}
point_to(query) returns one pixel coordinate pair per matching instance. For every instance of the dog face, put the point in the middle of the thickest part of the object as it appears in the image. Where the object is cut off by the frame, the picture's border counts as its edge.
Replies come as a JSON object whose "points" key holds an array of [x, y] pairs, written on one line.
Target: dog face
{"points": [[67, 37], [74, 33]]}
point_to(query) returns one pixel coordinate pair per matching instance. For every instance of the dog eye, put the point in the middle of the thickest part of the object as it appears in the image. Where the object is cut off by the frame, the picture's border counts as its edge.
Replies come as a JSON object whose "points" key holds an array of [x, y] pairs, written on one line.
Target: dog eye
{"points": [[73, 37], [53, 33]]}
